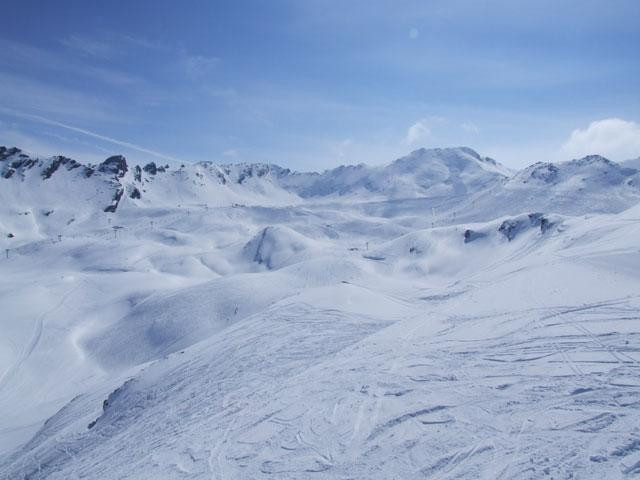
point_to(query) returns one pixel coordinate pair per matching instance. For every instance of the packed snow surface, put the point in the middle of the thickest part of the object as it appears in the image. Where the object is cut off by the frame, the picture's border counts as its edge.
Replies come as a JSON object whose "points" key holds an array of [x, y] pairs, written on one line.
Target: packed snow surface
{"points": [[440, 317]]}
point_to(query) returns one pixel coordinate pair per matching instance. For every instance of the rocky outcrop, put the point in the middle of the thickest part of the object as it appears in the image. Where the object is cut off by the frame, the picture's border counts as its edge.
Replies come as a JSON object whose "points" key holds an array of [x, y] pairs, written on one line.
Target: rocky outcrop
{"points": [[55, 164], [115, 165], [510, 228], [150, 168], [470, 235], [116, 200]]}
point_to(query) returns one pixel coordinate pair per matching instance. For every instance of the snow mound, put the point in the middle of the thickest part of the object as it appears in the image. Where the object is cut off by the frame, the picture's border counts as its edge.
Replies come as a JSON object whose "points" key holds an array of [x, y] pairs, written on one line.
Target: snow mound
{"points": [[278, 246], [455, 251], [166, 323]]}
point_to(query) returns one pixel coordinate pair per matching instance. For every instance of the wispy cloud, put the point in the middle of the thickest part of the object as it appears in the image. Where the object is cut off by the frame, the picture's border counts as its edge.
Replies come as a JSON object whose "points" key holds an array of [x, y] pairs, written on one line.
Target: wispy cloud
{"points": [[198, 66], [26, 94], [29, 57], [89, 46], [115, 141], [39, 145], [193, 65]]}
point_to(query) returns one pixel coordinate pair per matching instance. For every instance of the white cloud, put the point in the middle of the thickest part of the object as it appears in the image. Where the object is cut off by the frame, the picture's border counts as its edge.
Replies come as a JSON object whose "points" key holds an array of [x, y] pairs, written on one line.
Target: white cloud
{"points": [[341, 149], [418, 132], [232, 152], [613, 138], [470, 127]]}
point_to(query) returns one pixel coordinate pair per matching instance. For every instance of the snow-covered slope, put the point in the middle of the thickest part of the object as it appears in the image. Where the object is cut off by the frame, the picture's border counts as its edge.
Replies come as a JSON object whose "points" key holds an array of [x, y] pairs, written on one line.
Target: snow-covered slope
{"points": [[633, 163], [592, 184], [419, 320]]}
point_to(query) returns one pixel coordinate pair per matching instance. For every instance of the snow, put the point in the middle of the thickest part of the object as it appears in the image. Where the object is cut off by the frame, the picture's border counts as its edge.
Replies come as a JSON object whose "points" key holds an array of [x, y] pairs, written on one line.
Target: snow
{"points": [[439, 317]]}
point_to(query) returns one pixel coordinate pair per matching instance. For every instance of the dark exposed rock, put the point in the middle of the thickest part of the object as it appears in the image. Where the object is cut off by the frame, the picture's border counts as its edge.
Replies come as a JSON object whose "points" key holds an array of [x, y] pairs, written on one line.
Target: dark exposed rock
{"points": [[51, 168], [9, 152], [10, 235], [115, 165], [150, 168], [137, 173], [88, 171], [116, 200], [539, 220], [470, 235], [510, 228], [135, 193], [113, 396], [18, 162], [253, 171], [55, 164], [23, 162]]}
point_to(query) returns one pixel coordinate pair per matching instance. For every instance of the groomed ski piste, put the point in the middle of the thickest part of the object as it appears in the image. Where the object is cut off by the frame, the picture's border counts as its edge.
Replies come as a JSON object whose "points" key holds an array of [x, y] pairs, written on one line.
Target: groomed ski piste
{"points": [[439, 317]]}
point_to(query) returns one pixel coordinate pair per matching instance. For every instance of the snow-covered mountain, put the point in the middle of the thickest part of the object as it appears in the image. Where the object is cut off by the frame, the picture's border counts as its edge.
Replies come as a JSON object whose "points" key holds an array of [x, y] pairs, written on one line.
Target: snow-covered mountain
{"points": [[43, 195], [438, 317], [423, 173], [591, 184], [437, 172]]}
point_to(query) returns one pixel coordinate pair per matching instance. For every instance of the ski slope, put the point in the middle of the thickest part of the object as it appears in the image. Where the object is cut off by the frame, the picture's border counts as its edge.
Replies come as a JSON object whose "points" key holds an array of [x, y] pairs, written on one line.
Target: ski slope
{"points": [[439, 317]]}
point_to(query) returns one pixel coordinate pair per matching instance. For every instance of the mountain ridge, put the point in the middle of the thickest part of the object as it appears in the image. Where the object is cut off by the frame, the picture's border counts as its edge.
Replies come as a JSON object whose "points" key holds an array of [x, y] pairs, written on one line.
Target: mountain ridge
{"points": [[458, 174]]}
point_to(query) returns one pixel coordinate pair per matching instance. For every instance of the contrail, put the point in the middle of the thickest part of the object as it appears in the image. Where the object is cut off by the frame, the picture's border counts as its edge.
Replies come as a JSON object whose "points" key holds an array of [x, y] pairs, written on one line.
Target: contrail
{"points": [[115, 141]]}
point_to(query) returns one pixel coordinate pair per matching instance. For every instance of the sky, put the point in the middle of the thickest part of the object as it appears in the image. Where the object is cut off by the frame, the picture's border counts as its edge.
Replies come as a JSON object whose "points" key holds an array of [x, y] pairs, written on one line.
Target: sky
{"points": [[310, 84]]}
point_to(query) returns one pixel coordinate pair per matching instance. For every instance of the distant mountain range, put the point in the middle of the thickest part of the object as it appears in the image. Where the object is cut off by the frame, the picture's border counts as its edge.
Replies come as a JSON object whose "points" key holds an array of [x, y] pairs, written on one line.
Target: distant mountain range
{"points": [[427, 182]]}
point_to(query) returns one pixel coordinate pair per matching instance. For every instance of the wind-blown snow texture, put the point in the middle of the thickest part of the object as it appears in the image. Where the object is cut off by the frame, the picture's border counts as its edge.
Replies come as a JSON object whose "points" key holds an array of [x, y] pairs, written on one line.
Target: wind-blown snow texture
{"points": [[439, 317]]}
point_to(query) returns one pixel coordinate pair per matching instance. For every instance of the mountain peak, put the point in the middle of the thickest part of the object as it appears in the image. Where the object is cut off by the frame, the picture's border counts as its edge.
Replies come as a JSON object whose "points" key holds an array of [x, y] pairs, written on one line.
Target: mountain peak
{"points": [[446, 151], [116, 165], [458, 158], [591, 160], [6, 152]]}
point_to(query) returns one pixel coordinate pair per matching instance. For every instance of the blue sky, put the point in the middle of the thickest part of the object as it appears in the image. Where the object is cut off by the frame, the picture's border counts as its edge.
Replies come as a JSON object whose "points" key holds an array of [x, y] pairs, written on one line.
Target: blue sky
{"points": [[313, 84]]}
